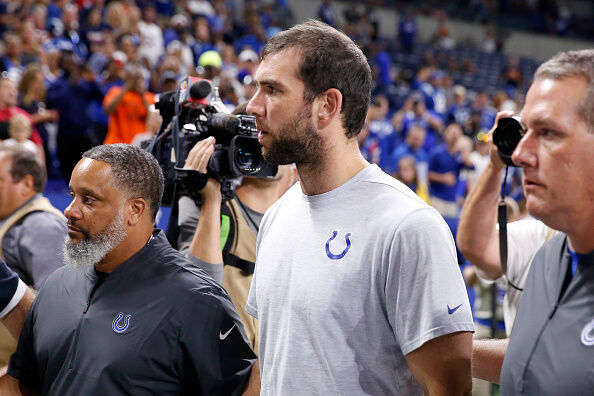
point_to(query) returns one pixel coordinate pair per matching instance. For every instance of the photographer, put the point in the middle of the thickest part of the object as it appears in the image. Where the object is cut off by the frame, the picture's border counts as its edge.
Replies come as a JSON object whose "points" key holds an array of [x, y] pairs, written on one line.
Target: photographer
{"points": [[203, 241], [550, 350], [478, 236], [128, 106]]}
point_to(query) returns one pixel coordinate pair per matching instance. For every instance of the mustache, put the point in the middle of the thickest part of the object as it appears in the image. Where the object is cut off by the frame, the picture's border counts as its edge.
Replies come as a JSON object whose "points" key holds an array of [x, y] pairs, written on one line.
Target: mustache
{"points": [[82, 230]]}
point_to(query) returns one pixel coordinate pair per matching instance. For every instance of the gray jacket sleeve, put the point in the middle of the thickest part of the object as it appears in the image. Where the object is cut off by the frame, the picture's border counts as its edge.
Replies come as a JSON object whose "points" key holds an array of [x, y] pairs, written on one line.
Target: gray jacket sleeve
{"points": [[36, 247]]}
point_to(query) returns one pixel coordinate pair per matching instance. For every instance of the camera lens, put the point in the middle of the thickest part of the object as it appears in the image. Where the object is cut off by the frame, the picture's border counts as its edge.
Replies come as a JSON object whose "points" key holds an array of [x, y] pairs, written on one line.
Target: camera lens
{"points": [[247, 160], [506, 137]]}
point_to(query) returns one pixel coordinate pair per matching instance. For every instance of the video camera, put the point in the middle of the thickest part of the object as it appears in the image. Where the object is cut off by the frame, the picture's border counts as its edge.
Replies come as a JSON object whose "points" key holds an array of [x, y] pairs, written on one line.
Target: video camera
{"points": [[190, 114]]}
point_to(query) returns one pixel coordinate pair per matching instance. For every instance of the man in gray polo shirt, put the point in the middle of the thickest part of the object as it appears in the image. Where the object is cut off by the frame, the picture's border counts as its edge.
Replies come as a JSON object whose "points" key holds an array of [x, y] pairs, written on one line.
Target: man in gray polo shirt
{"points": [[551, 350]]}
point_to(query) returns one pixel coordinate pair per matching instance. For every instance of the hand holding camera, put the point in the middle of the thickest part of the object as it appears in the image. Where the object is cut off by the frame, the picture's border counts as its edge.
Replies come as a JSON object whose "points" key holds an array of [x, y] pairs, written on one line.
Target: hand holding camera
{"points": [[494, 152], [197, 160], [505, 135]]}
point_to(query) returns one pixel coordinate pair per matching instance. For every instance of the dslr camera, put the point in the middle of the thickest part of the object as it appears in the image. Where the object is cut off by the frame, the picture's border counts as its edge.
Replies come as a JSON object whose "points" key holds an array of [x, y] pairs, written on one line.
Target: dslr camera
{"points": [[190, 114], [506, 137]]}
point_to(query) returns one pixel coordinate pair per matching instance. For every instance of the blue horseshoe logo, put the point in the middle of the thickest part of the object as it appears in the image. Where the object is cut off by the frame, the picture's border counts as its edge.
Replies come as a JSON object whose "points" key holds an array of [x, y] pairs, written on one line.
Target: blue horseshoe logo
{"points": [[116, 323], [344, 252]]}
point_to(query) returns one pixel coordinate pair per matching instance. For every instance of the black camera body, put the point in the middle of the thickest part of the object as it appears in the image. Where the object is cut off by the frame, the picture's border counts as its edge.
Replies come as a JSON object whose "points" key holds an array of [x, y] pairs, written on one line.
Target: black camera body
{"points": [[188, 118], [506, 137]]}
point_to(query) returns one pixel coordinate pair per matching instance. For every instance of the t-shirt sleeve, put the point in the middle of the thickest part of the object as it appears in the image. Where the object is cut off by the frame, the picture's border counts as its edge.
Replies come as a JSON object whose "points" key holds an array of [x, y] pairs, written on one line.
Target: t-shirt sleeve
{"points": [[215, 271], [189, 214], [23, 363], [218, 356], [524, 238], [425, 293], [12, 289]]}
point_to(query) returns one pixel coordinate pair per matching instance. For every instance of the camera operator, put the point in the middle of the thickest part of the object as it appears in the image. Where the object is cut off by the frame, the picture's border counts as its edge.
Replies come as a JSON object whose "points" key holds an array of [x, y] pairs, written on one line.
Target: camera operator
{"points": [[201, 237], [478, 239], [550, 350]]}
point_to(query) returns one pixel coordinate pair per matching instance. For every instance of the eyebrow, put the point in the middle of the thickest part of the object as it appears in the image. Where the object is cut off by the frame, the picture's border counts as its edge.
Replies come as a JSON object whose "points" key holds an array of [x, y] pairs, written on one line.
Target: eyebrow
{"points": [[545, 122], [86, 191], [269, 82]]}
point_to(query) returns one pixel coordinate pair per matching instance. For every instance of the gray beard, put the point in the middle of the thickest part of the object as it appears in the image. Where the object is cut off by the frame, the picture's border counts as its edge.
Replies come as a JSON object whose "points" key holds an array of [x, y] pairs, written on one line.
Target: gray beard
{"points": [[92, 249]]}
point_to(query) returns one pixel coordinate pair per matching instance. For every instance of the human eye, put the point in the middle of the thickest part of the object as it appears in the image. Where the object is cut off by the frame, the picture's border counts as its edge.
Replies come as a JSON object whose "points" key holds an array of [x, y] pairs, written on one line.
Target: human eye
{"points": [[546, 133], [89, 200], [270, 89]]}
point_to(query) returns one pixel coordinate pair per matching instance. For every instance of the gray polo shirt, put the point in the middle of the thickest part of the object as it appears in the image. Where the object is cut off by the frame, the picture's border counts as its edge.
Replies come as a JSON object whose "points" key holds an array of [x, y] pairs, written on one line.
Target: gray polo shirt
{"points": [[551, 350]]}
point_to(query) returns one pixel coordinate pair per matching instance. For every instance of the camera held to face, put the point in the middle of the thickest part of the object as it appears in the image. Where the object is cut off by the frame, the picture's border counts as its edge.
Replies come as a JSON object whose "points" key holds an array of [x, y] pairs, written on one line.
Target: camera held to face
{"points": [[188, 117], [506, 137]]}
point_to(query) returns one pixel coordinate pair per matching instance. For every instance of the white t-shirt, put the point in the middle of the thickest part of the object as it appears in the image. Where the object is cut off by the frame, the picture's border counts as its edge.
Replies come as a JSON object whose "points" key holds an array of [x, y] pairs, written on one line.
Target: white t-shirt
{"points": [[524, 238], [151, 42], [347, 283]]}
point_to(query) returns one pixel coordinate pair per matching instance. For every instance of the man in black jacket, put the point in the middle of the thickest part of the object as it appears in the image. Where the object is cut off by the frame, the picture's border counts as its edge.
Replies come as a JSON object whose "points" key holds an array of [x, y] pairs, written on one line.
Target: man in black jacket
{"points": [[128, 314]]}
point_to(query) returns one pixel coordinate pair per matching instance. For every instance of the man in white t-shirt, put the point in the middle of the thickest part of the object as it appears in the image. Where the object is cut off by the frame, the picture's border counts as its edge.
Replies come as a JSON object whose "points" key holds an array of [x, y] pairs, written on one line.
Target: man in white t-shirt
{"points": [[356, 286]]}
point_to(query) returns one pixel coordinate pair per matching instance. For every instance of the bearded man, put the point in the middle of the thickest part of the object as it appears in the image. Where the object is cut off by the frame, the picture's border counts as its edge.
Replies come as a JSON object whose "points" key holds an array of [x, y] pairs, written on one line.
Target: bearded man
{"points": [[356, 285], [128, 314]]}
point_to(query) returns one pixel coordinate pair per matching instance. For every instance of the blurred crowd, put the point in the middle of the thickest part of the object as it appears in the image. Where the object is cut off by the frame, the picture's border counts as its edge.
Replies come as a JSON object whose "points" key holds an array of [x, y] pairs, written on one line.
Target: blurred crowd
{"points": [[81, 73], [86, 72]]}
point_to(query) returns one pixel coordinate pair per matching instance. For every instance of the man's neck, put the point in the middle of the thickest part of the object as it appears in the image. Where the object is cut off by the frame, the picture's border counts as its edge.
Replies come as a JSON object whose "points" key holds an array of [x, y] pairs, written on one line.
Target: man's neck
{"points": [[258, 195], [338, 165], [20, 204], [124, 251], [581, 243]]}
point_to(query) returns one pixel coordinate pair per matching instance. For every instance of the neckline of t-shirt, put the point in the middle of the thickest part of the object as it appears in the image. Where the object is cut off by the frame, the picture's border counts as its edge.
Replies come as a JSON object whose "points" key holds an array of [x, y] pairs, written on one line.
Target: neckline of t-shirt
{"points": [[313, 199]]}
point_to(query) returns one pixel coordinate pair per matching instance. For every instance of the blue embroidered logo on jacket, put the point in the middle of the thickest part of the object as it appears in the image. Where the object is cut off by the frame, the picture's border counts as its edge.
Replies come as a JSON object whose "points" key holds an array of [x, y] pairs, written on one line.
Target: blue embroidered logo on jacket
{"points": [[120, 326], [332, 256]]}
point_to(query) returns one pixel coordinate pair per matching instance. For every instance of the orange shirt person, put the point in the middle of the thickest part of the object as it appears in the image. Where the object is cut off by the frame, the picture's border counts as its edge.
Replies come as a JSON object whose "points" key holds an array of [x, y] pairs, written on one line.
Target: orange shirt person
{"points": [[127, 107]]}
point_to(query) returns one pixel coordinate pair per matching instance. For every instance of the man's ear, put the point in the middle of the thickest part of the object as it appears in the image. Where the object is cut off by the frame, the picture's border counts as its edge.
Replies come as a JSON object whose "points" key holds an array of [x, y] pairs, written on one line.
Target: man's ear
{"points": [[136, 209], [329, 107], [27, 185]]}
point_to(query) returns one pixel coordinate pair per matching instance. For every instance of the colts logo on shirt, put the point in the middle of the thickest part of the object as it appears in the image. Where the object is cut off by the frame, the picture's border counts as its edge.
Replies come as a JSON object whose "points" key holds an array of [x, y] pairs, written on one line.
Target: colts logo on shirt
{"points": [[588, 334], [120, 323], [333, 256]]}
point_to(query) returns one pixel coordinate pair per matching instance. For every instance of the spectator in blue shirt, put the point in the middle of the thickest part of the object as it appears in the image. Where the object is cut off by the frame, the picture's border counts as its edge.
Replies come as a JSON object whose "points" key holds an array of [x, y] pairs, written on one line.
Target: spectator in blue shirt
{"points": [[445, 163], [71, 95], [382, 130], [459, 111], [407, 30], [415, 113], [413, 147]]}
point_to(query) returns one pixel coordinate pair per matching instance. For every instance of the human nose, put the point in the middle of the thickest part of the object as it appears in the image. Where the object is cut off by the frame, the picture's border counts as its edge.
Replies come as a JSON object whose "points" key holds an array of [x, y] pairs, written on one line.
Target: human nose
{"points": [[72, 212], [255, 106], [524, 155]]}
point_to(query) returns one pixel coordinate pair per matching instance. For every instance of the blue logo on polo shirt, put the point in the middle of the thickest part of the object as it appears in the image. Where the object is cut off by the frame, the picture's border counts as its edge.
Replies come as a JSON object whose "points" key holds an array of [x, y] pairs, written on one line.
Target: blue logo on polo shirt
{"points": [[119, 327], [588, 334], [332, 256]]}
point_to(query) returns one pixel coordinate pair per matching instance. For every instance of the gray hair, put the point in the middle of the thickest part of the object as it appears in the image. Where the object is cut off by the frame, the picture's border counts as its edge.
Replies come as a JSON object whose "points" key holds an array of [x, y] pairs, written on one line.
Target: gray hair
{"points": [[578, 64], [134, 170]]}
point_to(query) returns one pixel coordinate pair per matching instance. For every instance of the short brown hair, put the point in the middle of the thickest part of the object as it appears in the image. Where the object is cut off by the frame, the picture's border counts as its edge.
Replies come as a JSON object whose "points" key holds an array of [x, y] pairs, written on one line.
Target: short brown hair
{"points": [[329, 59], [578, 64]]}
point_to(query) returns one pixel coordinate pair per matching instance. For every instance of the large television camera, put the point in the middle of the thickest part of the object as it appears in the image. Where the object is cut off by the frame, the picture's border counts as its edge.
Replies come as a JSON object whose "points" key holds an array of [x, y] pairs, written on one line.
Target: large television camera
{"points": [[191, 114]]}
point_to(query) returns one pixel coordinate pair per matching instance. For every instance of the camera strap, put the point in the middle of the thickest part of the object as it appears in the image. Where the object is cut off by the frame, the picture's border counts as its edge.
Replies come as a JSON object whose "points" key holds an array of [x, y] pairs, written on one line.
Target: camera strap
{"points": [[502, 222]]}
